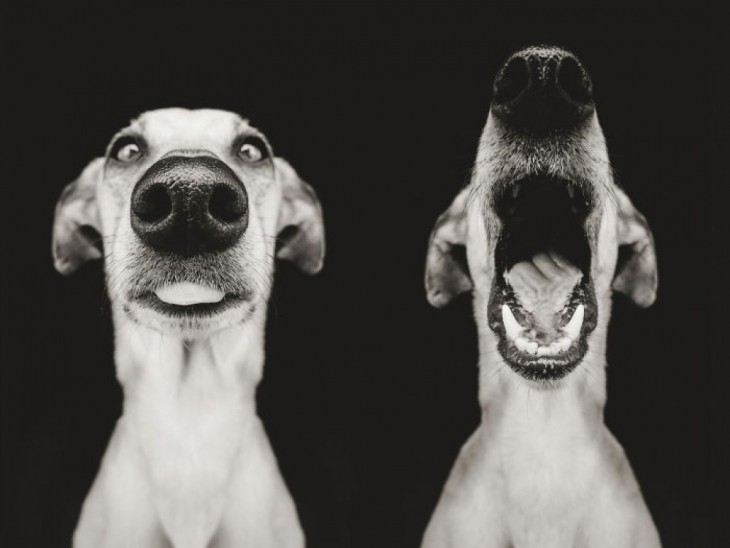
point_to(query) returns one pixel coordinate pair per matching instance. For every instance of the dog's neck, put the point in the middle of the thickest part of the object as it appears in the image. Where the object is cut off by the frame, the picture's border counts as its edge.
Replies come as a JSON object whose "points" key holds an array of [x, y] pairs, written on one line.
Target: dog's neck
{"points": [[189, 417], [167, 377]]}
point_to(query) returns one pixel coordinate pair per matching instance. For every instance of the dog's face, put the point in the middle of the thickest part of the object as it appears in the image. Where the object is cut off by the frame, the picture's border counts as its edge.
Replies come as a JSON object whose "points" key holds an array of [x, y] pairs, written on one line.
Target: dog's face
{"points": [[190, 208], [542, 221]]}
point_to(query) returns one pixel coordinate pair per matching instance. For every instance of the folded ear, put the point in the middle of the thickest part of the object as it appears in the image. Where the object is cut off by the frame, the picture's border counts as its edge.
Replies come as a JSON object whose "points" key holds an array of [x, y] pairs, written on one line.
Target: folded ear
{"points": [[300, 228], [447, 274], [636, 274], [76, 225]]}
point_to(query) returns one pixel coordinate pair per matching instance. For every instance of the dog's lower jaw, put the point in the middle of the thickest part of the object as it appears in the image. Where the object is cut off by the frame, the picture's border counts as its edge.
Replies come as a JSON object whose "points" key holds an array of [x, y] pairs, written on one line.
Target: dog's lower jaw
{"points": [[189, 462]]}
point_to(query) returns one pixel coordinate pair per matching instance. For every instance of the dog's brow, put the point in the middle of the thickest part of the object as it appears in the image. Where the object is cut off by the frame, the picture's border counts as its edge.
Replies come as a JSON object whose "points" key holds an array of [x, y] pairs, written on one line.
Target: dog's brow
{"points": [[189, 152], [138, 123], [245, 130]]}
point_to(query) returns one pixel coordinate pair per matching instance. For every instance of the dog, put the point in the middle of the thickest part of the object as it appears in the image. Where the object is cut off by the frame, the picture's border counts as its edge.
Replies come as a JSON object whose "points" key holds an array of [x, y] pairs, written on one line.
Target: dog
{"points": [[191, 207], [542, 221]]}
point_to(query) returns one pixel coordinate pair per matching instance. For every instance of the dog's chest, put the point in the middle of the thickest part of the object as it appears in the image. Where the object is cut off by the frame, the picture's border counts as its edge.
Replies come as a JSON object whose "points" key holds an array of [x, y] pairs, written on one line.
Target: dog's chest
{"points": [[547, 484], [190, 447]]}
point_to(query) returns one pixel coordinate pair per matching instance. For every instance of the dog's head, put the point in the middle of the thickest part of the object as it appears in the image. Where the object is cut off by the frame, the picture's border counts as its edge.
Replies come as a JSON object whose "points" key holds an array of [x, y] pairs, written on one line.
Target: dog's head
{"points": [[188, 209], [542, 221]]}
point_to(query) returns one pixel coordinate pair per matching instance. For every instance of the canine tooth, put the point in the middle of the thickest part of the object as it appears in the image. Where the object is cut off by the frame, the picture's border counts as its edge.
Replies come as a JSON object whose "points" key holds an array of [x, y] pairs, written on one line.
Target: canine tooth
{"points": [[186, 293], [515, 191], [571, 192], [511, 325], [562, 344], [572, 329]]}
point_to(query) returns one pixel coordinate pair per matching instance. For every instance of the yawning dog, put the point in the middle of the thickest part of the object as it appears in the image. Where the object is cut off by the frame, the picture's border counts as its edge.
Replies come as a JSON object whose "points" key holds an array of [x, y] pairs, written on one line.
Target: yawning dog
{"points": [[542, 221], [191, 207]]}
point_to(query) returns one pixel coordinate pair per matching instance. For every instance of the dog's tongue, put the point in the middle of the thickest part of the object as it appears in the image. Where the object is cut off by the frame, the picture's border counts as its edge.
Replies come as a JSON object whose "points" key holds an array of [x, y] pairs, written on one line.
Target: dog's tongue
{"points": [[186, 294], [543, 285]]}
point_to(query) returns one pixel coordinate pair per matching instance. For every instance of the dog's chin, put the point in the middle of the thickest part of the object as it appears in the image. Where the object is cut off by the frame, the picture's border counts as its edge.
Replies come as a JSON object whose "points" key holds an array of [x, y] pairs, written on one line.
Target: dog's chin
{"points": [[190, 312], [542, 305], [544, 370]]}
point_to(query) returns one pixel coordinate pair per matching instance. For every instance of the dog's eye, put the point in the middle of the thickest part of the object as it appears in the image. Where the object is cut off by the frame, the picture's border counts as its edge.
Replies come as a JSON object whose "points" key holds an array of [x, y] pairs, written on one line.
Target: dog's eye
{"points": [[252, 149], [126, 150]]}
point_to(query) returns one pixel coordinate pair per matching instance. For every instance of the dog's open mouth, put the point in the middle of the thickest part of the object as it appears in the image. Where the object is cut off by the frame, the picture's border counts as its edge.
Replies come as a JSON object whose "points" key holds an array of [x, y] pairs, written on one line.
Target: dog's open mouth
{"points": [[542, 305], [189, 299]]}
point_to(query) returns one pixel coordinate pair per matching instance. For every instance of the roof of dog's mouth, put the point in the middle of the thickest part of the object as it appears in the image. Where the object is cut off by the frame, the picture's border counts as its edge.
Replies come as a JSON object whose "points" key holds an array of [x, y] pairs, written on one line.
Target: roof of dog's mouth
{"points": [[542, 303]]}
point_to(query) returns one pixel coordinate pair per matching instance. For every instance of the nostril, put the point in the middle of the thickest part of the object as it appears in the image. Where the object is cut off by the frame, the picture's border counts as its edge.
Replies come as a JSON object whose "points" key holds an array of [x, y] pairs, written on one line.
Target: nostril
{"points": [[574, 81], [513, 80], [227, 204], [154, 204]]}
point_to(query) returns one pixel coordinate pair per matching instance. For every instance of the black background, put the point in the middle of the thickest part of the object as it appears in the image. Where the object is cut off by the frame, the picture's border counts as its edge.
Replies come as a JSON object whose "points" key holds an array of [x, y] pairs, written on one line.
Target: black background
{"points": [[368, 392]]}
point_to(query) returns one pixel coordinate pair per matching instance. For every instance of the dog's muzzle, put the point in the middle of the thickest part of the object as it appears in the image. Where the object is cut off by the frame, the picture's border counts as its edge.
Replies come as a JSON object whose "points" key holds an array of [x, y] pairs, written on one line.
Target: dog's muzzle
{"points": [[540, 90], [188, 205]]}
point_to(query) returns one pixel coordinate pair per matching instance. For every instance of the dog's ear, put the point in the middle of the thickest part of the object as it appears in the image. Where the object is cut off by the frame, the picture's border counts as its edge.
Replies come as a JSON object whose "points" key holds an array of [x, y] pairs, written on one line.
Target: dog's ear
{"points": [[300, 227], [636, 272], [76, 225], [447, 274]]}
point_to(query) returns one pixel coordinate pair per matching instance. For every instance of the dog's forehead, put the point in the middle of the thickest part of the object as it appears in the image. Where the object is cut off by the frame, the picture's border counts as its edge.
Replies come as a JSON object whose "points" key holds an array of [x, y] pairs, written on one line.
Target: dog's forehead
{"points": [[184, 127]]}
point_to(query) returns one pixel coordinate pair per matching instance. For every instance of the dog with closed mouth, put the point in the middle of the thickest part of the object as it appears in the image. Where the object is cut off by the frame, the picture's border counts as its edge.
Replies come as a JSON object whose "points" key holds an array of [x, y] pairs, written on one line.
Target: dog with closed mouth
{"points": [[542, 221], [191, 208]]}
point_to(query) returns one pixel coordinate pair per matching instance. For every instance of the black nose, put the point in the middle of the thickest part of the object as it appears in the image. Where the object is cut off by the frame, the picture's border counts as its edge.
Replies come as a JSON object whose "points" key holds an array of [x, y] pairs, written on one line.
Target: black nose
{"points": [[189, 205], [542, 89]]}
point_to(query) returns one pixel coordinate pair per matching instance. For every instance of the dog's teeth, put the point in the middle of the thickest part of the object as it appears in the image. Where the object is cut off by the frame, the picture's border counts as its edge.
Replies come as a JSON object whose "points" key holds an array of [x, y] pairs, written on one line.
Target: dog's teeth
{"points": [[515, 191], [571, 192], [521, 337], [572, 329], [522, 344], [186, 294], [511, 325], [545, 350], [555, 347]]}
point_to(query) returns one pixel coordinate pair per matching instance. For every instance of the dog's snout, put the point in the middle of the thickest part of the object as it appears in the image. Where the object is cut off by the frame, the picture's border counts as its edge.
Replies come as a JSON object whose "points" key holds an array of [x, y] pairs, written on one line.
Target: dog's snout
{"points": [[542, 89], [189, 205]]}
